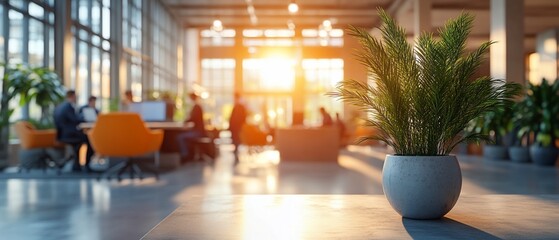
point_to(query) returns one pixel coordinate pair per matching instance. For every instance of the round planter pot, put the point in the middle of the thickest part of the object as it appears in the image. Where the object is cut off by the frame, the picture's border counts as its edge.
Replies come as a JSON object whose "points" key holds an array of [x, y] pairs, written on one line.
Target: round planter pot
{"points": [[421, 187], [519, 154], [545, 156], [494, 152]]}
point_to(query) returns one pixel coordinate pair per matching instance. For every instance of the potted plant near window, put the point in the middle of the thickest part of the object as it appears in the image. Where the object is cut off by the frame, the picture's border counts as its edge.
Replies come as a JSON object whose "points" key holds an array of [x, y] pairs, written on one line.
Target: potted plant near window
{"points": [[47, 91], [15, 81], [543, 102], [423, 97]]}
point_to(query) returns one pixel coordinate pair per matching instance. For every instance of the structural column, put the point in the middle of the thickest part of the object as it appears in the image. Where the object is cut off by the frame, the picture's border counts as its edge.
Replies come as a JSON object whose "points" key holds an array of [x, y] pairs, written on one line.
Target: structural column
{"points": [[298, 94], [421, 17], [191, 56], [64, 49], [507, 29], [116, 51]]}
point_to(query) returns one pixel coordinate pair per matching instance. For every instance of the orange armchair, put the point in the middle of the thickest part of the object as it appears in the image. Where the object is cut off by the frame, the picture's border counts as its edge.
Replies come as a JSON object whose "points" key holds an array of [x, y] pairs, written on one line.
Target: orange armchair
{"points": [[31, 139], [253, 138], [124, 135], [251, 135]]}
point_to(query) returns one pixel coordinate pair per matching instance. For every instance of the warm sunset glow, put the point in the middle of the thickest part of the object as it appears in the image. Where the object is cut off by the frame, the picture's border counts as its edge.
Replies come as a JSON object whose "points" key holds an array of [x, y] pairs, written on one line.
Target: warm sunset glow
{"points": [[275, 73]]}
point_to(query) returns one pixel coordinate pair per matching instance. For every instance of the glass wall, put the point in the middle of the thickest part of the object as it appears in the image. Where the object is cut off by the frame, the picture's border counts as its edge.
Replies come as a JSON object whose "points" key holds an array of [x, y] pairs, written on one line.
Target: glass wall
{"points": [[164, 41], [132, 45], [268, 74], [89, 74], [321, 76], [27, 36], [30, 33], [218, 80], [151, 39]]}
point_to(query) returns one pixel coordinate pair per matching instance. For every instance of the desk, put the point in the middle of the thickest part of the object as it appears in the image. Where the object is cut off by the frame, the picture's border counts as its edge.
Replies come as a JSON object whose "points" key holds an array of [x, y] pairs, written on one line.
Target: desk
{"points": [[169, 149], [152, 125], [356, 217]]}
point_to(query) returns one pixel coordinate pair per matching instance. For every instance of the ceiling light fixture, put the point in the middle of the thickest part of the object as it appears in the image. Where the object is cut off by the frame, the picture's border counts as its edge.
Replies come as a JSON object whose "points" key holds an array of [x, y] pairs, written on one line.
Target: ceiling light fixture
{"points": [[293, 7], [251, 12], [217, 25], [290, 24], [327, 24]]}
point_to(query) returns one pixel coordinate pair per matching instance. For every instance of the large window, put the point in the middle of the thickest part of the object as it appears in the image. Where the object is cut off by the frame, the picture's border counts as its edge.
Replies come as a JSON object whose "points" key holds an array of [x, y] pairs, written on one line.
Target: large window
{"points": [[218, 78], [321, 76], [268, 74], [164, 42], [90, 69], [27, 36], [270, 110], [132, 43]]}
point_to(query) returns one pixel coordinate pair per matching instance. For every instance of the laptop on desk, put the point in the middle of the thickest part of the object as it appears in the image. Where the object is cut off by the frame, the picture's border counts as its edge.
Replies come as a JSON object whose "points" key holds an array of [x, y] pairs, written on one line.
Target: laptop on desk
{"points": [[150, 111], [89, 114]]}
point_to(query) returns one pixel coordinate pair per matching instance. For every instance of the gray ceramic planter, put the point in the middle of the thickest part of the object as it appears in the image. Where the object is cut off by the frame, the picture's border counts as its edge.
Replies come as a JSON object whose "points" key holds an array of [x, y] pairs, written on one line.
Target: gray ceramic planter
{"points": [[544, 156], [519, 154], [421, 187], [494, 152]]}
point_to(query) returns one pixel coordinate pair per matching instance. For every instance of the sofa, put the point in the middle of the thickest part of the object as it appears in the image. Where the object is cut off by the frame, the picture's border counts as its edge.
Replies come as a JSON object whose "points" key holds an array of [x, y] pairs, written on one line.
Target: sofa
{"points": [[319, 144]]}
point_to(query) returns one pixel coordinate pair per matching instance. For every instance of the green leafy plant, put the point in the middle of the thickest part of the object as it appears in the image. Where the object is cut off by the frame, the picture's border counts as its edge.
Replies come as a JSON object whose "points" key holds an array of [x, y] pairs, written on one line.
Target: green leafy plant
{"points": [[423, 96], [47, 91], [541, 112], [495, 124], [522, 122]]}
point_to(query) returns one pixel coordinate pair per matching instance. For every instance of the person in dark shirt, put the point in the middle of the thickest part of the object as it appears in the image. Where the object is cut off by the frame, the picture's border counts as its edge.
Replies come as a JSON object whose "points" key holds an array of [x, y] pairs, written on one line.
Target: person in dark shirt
{"points": [[236, 122], [326, 118], [90, 104], [66, 121], [198, 130]]}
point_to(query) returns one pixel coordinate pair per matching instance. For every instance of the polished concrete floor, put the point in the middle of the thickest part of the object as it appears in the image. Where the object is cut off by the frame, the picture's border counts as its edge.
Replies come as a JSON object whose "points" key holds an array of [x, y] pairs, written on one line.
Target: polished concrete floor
{"points": [[90, 209]]}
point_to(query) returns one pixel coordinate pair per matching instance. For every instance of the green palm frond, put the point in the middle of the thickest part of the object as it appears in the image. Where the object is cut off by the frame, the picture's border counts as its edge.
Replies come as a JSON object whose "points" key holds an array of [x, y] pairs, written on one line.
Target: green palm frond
{"points": [[424, 95]]}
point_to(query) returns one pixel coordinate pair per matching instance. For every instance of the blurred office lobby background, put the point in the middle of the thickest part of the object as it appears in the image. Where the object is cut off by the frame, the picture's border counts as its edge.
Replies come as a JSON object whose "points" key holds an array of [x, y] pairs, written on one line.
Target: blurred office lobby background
{"points": [[283, 63]]}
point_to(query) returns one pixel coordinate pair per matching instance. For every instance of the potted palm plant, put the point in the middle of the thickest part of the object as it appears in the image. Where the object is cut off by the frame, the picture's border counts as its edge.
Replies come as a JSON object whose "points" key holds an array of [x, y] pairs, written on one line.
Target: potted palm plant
{"points": [[423, 96], [543, 102]]}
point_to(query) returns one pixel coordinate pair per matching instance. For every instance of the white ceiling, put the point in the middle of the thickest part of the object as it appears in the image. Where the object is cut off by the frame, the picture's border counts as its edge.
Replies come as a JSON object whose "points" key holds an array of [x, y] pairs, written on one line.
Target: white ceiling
{"points": [[539, 15]]}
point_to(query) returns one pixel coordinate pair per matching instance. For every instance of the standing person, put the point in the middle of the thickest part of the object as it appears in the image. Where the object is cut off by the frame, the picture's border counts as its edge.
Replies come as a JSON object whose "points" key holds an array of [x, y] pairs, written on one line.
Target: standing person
{"points": [[67, 120], [236, 122], [198, 130], [126, 101], [326, 118]]}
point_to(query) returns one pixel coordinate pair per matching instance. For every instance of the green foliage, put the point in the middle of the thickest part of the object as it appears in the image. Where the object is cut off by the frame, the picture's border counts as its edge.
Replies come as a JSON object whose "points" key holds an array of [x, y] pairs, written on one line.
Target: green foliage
{"points": [[521, 120], [114, 104], [47, 91], [495, 124], [42, 125], [423, 96], [540, 113]]}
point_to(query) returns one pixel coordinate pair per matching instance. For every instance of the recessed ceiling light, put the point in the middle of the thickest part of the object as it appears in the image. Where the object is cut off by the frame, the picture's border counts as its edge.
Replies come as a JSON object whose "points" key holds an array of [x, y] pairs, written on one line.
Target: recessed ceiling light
{"points": [[293, 7]]}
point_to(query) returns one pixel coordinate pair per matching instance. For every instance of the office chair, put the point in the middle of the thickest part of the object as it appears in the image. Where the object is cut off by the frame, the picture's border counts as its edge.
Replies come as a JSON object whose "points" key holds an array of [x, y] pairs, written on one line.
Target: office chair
{"points": [[125, 135]]}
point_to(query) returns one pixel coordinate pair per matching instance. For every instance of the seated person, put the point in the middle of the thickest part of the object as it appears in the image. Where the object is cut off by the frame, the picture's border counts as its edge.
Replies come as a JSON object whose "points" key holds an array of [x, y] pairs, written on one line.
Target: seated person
{"points": [[67, 120], [186, 138], [90, 106]]}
